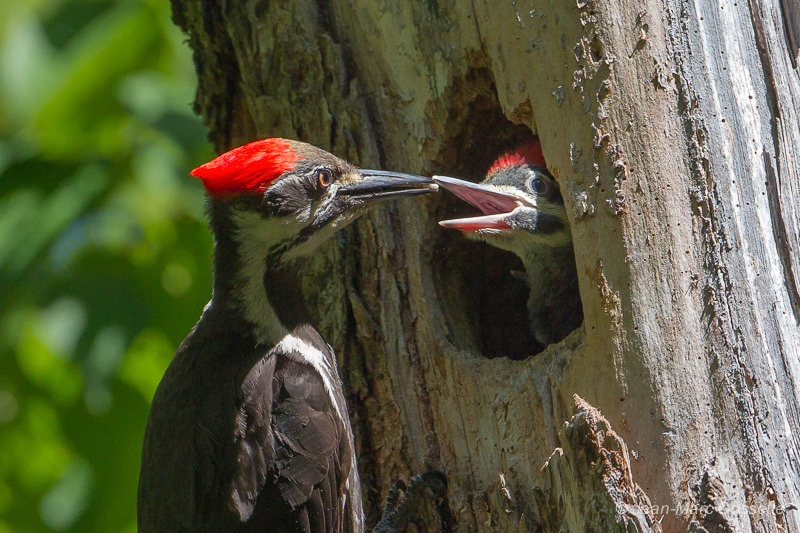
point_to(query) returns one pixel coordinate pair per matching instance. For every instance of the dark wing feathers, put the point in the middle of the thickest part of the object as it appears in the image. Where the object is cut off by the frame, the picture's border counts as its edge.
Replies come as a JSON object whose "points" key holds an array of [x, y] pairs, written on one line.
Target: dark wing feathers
{"points": [[316, 513], [293, 452], [320, 437], [256, 449], [306, 438], [310, 433], [297, 385]]}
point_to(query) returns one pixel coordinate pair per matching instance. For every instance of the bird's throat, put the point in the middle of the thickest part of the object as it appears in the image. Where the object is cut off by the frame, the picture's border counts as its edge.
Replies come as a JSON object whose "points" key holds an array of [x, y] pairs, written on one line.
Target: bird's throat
{"points": [[252, 286], [554, 305]]}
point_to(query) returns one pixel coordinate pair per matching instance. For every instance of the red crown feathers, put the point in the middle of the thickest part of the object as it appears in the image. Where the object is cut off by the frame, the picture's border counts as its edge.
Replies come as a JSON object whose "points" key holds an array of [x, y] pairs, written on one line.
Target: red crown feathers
{"points": [[528, 154], [248, 168]]}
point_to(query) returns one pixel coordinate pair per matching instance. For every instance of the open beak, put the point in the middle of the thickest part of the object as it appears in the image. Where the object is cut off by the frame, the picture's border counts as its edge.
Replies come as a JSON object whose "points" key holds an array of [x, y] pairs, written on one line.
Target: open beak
{"points": [[381, 184], [495, 204]]}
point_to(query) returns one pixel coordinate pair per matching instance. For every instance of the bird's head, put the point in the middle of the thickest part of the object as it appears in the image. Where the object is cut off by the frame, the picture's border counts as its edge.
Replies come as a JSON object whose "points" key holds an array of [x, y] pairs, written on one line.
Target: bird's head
{"points": [[292, 196], [520, 200]]}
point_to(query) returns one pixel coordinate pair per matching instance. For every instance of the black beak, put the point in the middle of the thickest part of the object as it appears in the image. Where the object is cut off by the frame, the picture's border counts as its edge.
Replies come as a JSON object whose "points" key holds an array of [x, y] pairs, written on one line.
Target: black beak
{"points": [[381, 184]]}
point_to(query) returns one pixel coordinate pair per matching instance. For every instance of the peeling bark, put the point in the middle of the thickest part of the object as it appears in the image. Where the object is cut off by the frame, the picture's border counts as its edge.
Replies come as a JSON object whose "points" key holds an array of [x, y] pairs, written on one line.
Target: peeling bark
{"points": [[673, 127], [591, 483]]}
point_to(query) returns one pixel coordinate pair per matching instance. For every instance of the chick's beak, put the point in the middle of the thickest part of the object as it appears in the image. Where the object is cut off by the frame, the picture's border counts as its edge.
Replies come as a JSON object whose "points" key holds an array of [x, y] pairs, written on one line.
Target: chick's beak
{"points": [[496, 205], [375, 185]]}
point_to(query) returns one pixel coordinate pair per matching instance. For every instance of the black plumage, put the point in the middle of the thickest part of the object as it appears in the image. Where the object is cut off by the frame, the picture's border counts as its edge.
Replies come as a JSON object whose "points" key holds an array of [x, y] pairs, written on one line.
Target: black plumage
{"points": [[311, 444], [277, 458]]}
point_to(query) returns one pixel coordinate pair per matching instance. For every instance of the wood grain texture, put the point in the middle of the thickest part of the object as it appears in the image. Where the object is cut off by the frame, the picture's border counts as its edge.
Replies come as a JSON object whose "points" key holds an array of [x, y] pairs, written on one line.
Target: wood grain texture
{"points": [[673, 127]]}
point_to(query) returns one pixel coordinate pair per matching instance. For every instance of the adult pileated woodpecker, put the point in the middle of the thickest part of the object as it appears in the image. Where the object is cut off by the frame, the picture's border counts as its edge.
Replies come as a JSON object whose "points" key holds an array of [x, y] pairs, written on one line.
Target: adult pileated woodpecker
{"points": [[249, 429], [524, 214]]}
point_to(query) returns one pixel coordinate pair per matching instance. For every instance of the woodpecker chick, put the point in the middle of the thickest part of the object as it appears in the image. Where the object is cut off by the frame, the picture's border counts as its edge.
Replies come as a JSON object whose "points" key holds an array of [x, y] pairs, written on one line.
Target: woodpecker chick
{"points": [[523, 212], [249, 429]]}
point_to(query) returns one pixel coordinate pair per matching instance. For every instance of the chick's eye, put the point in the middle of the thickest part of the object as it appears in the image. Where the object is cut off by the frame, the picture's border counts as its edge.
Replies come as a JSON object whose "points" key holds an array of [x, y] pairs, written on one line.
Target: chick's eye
{"points": [[324, 177], [537, 185]]}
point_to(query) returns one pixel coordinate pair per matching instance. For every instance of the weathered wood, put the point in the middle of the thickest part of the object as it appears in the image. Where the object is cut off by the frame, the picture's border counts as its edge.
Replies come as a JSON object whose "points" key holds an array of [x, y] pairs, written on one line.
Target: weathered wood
{"points": [[673, 127], [591, 484]]}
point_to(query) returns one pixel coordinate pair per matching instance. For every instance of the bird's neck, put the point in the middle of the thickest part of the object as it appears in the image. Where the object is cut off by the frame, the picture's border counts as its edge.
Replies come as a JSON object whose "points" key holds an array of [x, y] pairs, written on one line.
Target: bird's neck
{"points": [[252, 287], [550, 269], [554, 304]]}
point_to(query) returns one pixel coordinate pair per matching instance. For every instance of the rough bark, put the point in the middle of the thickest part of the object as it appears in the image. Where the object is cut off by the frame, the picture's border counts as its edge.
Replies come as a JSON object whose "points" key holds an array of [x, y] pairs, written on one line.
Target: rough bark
{"points": [[673, 129]]}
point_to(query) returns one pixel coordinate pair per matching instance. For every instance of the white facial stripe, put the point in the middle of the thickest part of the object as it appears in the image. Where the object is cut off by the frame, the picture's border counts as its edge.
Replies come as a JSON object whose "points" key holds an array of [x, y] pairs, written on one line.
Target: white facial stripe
{"points": [[523, 198], [528, 246], [254, 235], [307, 247]]}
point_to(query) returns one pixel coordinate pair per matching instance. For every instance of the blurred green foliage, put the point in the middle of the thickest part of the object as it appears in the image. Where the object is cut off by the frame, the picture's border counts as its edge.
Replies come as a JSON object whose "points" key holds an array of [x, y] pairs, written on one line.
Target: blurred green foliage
{"points": [[104, 250]]}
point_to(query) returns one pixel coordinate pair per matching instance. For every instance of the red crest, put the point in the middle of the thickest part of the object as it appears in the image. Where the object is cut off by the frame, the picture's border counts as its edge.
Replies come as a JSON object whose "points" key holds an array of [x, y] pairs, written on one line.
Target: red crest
{"points": [[248, 168], [527, 154]]}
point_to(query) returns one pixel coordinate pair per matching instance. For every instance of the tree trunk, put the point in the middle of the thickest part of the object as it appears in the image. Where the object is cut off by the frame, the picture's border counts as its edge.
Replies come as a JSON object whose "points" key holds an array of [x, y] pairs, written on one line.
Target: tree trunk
{"points": [[673, 129]]}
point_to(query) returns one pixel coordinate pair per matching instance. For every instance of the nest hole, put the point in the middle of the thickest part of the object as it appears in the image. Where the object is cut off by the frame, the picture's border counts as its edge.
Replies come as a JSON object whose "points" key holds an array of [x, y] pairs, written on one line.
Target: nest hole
{"points": [[485, 301]]}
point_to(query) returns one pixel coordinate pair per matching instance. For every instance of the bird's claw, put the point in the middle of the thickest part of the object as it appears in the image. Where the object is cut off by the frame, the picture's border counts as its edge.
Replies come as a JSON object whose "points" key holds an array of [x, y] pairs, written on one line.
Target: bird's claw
{"points": [[419, 502], [393, 496]]}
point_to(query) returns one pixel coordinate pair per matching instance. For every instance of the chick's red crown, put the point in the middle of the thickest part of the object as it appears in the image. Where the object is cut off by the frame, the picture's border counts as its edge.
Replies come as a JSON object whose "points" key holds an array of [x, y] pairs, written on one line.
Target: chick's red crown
{"points": [[527, 154]]}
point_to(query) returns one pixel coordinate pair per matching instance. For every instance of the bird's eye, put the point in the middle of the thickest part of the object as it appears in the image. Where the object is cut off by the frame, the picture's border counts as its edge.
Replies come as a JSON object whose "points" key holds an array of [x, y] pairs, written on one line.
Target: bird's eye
{"points": [[538, 185], [324, 177]]}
